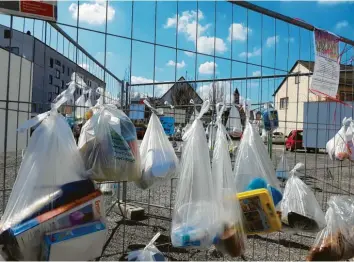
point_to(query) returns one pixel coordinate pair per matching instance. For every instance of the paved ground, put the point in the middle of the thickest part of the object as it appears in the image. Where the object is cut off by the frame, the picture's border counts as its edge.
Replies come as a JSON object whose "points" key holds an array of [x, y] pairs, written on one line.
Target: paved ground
{"points": [[325, 177]]}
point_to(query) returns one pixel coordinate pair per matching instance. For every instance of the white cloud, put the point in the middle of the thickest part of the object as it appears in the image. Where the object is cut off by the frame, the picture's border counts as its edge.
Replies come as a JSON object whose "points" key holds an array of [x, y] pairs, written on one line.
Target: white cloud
{"points": [[93, 13], [160, 89], [272, 40], [84, 66], [189, 54], [256, 73], [255, 52], [140, 80], [179, 65], [206, 45], [207, 68], [290, 39], [341, 24], [238, 32]]}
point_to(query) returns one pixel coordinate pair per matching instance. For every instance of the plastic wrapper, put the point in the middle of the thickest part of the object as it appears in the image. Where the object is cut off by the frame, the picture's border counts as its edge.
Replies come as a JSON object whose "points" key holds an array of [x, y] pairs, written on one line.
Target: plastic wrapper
{"points": [[195, 218], [299, 207], [253, 166], [232, 238], [270, 118], [336, 241], [51, 160], [149, 253], [340, 147], [233, 124], [109, 147], [158, 158], [282, 171], [211, 134]]}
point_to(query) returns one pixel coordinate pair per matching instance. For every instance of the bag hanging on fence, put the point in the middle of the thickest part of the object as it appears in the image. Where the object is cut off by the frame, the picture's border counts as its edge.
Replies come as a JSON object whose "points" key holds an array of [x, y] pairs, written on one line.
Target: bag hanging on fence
{"points": [[233, 124], [149, 253], [340, 147], [336, 241], [232, 238], [80, 107], [211, 134], [195, 220], [158, 158], [109, 147], [283, 169], [51, 170], [299, 208], [88, 103]]}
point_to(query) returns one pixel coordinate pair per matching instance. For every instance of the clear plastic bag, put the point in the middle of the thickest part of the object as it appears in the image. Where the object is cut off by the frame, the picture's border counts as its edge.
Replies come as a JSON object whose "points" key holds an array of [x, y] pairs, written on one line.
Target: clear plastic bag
{"points": [[158, 158], [232, 238], [253, 166], [340, 147], [88, 103], [211, 134], [283, 169], [109, 146], [336, 241], [51, 160], [233, 124], [299, 207], [194, 222], [80, 107], [149, 253]]}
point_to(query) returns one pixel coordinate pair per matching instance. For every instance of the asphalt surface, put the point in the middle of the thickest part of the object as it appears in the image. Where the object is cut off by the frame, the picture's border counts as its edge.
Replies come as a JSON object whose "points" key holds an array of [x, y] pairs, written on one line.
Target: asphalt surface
{"points": [[325, 177]]}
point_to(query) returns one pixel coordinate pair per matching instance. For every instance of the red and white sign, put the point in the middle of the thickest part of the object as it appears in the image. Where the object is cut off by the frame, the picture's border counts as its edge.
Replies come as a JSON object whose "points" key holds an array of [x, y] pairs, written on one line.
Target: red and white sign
{"points": [[38, 9]]}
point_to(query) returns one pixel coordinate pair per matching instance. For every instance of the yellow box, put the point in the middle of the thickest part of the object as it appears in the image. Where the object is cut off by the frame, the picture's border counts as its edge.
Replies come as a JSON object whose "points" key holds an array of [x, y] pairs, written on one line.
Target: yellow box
{"points": [[259, 212]]}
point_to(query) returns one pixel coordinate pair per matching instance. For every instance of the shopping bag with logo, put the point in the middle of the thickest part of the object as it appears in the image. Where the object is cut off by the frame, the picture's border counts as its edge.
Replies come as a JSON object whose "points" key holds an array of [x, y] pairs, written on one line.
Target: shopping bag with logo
{"points": [[195, 219], [158, 158], [300, 210], [336, 241], [149, 253], [109, 146], [231, 241]]}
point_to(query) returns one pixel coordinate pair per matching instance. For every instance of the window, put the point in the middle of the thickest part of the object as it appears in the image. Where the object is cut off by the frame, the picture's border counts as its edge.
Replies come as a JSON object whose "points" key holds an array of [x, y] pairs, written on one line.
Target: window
{"points": [[34, 108], [89, 82], [57, 62], [62, 84], [51, 62], [50, 79], [297, 79], [7, 33], [68, 71], [346, 96], [50, 97], [299, 135], [80, 92], [57, 74], [63, 69], [284, 102], [57, 90], [14, 50]]}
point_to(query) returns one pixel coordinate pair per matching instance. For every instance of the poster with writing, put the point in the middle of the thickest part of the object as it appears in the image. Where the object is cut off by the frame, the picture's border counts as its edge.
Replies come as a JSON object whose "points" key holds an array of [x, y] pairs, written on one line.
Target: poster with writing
{"points": [[325, 77]]}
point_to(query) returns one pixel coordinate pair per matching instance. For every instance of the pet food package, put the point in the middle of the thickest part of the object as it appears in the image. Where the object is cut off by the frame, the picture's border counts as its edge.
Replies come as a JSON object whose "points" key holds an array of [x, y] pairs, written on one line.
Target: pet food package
{"points": [[195, 219], [340, 147], [51, 160], [109, 147], [231, 240], [336, 241], [158, 158], [149, 253], [282, 171], [300, 210]]}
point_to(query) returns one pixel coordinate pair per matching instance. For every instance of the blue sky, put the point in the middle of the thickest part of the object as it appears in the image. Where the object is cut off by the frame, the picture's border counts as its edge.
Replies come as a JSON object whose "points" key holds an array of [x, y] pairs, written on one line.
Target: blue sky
{"points": [[264, 44]]}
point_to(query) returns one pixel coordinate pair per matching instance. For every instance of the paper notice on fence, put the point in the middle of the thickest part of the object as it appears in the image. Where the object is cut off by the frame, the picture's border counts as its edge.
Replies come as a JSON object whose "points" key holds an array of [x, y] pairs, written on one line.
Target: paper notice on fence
{"points": [[325, 77]]}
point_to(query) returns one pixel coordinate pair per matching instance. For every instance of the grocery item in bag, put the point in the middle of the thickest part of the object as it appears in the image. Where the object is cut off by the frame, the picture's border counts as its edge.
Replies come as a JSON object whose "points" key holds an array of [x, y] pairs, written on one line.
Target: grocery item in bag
{"points": [[336, 241], [195, 220], [232, 238], [149, 253], [299, 208], [159, 161], [108, 146]]}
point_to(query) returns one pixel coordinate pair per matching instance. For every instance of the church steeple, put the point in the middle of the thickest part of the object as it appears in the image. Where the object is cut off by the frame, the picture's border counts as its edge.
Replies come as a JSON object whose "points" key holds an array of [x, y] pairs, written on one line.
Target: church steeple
{"points": [[236, 97]]}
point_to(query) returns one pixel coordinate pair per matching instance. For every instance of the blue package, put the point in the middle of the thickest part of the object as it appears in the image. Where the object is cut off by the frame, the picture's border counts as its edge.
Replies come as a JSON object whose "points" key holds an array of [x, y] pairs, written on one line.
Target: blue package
{"points": [[270, 119]]}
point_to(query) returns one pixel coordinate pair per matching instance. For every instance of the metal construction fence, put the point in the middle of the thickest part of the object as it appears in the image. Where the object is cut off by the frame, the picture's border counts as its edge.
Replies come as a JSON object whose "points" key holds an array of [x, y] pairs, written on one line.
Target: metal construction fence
{"points": [[256, 54]]}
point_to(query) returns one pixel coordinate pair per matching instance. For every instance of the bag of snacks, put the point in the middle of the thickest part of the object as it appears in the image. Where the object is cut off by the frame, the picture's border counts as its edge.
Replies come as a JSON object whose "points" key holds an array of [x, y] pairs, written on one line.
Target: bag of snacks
{"points": [[300, 210], [336, 241], [109, 146]]}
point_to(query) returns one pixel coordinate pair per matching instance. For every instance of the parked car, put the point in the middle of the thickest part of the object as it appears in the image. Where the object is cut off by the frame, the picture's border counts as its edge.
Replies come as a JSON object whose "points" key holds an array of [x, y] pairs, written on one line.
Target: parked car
{"points": [[140, 132], [294, 141], [278, 138]]}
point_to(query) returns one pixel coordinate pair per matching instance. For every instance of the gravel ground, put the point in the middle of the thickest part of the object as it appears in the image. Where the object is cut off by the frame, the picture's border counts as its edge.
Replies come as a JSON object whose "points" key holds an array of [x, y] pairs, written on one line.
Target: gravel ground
{"points": [[324, 176]]}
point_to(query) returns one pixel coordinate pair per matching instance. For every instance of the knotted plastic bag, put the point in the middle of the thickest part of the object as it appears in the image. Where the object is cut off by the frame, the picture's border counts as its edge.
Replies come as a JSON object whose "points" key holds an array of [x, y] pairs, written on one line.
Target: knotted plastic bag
{"points": [[149, 253], [108, 145], [232, 238], [340, 147], [158, 158], [51, 160], [233, 124], [299, 207], [195, 219], [336, 241], [283, 169]]}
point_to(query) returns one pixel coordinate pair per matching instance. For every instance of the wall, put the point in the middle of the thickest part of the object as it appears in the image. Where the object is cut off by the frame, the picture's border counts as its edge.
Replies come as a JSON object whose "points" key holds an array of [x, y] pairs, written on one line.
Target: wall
{"points": [[20, 90]]}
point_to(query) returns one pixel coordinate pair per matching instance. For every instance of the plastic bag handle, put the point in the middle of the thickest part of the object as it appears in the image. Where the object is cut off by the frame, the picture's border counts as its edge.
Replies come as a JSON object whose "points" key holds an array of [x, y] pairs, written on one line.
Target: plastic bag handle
{"points": [[296, 168], [204, 109], [219, 112], [152, 241], [153, 109], [168, 104]]}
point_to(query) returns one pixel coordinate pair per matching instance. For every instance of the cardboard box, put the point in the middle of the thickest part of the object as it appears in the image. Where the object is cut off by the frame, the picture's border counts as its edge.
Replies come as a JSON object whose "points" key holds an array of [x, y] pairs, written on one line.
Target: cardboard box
{"points": [[80, 243], [24, 240]]}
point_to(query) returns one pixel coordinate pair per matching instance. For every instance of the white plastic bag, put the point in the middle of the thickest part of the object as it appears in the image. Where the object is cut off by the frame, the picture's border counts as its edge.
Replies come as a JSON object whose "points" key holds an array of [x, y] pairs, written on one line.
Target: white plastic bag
{"points": [[80, 107], [233, 124], [88, 103], [50, 161], [109, 147], [194, 222], [149, 253], [158, 158], [340, 147], [211, 133], [232, 239], [299, 207], [336, 241], [283, 169]]}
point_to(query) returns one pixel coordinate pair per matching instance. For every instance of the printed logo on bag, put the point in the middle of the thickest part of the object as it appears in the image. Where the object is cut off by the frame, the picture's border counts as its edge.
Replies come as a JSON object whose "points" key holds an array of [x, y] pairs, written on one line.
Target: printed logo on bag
{"points": [[121, 149]]}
